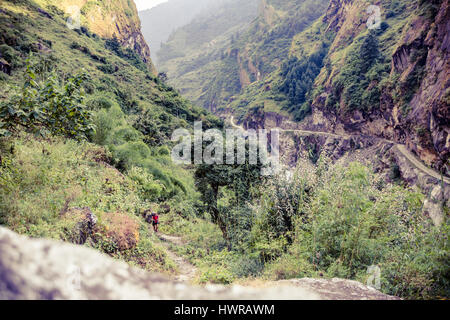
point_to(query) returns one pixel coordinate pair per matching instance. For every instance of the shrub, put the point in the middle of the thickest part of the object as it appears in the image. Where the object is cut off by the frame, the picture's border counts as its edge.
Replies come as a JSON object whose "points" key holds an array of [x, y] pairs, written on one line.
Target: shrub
{"points": [[358, 82], [149, 189], [108, 68], [128, 54], [353, 222], [49, 106], [116, 232], [130, 154], [10, 55]]}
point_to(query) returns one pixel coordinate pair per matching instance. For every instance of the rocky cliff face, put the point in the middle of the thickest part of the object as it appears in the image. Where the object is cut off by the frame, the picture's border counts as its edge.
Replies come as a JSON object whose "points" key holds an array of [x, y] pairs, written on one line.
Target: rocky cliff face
{"points": [[413, 104], [390, 81], [109, 19], [44, 270]]}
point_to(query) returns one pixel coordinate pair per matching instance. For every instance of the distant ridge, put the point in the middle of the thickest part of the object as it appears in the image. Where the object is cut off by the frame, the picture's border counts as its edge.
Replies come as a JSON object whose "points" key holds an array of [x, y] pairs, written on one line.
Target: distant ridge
{"points": [[160, 21]]}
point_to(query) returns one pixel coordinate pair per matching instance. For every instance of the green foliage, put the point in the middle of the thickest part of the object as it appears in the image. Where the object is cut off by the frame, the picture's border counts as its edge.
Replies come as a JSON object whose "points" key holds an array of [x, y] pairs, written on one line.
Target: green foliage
{"points": [[411, 84], [161, 179], [108, 68], [352, 223], [42, 182], [328, 220], [358, 82], [298, 80], [395, 8], [240, 180], [48, 106], [131, 56], [10, 55], [14, 41], [213, 58]]}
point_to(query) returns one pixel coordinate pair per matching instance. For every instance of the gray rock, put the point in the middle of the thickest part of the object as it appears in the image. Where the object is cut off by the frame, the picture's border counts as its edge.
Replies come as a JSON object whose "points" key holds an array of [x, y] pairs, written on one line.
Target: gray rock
{"points": [[44, 269], [434, 211]]}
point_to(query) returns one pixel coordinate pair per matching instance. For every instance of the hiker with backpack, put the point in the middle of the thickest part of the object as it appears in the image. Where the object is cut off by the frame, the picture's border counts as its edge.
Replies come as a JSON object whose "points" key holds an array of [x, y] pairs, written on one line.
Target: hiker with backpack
{"points": [[155, 221], [152, 219]]}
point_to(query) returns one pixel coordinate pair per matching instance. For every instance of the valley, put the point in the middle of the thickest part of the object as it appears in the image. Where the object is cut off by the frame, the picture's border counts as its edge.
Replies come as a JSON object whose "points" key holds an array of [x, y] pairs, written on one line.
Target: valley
{"points": [[92, 92]]}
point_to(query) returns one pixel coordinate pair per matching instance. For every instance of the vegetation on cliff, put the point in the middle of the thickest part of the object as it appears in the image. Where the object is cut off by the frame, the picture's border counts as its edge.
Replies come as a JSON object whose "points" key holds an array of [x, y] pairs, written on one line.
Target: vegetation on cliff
{"points": [[326, 221]]}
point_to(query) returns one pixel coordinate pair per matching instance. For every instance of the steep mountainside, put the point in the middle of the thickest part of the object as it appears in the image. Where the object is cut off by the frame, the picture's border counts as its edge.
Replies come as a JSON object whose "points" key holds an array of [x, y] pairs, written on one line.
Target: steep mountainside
{"points": [[390, 82], [85, 130], [196, 56], [108, 19], [214, 67], [160, 21]]}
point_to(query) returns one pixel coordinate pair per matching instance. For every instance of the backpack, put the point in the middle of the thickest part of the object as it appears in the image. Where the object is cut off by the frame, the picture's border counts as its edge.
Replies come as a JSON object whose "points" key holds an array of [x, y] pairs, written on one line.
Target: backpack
{"points": [[155, 218]]}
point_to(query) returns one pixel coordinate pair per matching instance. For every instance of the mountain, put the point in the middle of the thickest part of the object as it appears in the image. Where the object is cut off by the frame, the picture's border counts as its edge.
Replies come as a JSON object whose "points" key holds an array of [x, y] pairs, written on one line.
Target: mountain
{"points": [[160, 21], [221, 61], [402, 69], [86, 148], [391, 82], [330, 74], [108, 19]]}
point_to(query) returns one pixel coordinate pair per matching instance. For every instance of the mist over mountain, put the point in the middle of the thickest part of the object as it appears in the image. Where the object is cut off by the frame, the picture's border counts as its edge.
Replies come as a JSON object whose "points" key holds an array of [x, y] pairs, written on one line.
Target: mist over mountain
{"points": [[160, 21]]}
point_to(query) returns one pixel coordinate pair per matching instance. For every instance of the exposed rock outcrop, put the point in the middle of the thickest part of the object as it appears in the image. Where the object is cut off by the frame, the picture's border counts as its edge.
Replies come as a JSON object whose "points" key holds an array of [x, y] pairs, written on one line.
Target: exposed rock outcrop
{"points": [[112, 18], [44, 269]]}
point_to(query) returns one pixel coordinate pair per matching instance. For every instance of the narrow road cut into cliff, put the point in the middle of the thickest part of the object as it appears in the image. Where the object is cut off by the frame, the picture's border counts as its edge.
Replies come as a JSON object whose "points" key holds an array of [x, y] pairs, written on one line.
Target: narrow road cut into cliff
{"points": [[418, 164]]}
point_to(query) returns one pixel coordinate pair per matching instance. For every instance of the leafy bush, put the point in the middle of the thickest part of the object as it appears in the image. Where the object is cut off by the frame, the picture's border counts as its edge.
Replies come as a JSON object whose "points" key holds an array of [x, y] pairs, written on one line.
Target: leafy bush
{"points": [[149, 189], [108, 68], [132, 57], [40, 179], [352, 223], [48, 106], [10, 55], [216, 268]]}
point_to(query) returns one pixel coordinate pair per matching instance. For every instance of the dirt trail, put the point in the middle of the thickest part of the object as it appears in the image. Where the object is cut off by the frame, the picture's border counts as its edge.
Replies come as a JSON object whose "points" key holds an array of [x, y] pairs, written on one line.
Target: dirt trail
{"points": [[187, 271], [418, 164]]}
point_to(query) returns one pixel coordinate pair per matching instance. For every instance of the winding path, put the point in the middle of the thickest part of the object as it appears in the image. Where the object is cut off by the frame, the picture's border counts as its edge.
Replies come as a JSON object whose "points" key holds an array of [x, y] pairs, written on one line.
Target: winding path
{"points": [[400, 147], [187, 271]]}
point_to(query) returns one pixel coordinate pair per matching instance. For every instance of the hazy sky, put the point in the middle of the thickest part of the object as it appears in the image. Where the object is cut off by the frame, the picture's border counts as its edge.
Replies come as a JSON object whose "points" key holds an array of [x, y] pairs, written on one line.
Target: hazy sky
{"points": [[147, 4]]}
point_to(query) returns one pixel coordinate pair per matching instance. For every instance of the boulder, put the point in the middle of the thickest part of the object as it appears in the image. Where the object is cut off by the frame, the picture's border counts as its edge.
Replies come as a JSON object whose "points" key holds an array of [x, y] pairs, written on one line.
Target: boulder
{"points": [[434, 210]]}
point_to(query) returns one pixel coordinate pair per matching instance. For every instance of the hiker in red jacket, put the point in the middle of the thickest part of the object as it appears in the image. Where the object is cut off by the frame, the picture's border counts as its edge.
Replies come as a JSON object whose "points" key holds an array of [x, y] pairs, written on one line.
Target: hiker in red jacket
{"points": [[155, 221]]}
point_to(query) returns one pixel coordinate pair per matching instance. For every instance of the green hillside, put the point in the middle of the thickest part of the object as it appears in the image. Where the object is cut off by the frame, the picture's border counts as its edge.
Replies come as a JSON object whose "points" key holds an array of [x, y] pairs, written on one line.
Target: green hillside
{"points": [[378, 82], [84, 123], [159, 22], [220, 62]]}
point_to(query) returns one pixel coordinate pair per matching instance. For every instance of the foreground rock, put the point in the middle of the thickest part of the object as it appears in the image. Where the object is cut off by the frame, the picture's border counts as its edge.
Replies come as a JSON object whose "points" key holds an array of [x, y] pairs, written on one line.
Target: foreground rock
{"points": [[44, 269]]}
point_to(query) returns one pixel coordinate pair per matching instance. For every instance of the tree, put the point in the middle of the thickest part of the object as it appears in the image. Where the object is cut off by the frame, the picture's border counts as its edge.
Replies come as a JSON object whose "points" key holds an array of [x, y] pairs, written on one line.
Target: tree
{"points": [[368, 53], [163, 77], [239, 179], [299, 77]]}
